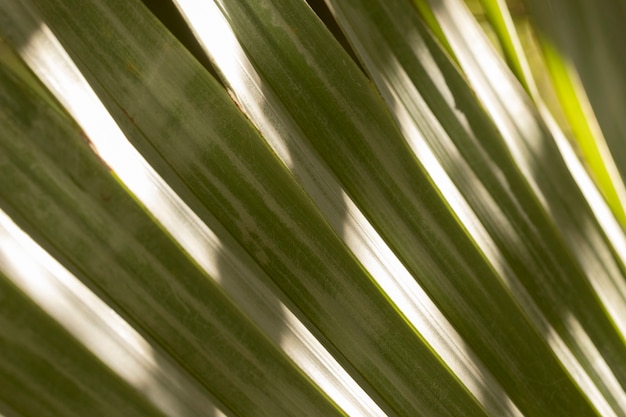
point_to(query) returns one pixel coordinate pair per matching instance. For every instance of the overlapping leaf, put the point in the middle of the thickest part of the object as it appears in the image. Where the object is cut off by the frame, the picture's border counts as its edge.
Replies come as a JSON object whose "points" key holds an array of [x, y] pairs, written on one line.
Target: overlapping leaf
{"points": [[273, 83], [538, 147], [444, 279], [59, 192]]}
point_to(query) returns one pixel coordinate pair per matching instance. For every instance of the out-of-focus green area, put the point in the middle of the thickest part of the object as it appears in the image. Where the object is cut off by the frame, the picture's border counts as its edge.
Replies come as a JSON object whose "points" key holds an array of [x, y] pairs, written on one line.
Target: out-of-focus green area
{"points": [[527, 36]]}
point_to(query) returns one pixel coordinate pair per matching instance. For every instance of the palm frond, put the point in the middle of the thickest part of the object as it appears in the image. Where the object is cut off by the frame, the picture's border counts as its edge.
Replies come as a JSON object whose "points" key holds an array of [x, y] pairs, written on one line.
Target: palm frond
{"points": [[410, 234]]}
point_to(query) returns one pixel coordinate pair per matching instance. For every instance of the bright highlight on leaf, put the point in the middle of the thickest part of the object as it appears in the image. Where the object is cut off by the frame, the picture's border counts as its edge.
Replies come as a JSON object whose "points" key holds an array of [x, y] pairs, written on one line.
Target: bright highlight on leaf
{"points": [[406, 235]]}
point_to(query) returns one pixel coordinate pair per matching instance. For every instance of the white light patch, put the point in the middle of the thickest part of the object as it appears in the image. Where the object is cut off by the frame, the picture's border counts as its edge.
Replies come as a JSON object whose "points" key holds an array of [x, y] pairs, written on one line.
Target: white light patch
{"points": [[577, 372], [344, 216], [597, 362], [54, 67], [322, 368], [612, 292], [512, 112], [411, 132], [96, 325], [521, 132], [218, 40], [52, 64], [424, 315], [409, 296], [49, 61]]}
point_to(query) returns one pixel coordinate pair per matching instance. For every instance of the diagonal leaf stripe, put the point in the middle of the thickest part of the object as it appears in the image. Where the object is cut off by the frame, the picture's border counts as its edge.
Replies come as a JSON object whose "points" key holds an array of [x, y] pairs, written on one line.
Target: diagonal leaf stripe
{"points": [[247, 26], [88, 319], [273, 119], [415, 75], [312, 281], [221, 258], [573, 100], [246, 36], [56, 190], [298, 237], [70, 381], [539, 148], [385, 313]]}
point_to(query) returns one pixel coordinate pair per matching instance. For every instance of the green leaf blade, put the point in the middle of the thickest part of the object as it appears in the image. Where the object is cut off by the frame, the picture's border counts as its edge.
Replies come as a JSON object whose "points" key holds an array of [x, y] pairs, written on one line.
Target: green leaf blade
{"points": [[58, 203]]}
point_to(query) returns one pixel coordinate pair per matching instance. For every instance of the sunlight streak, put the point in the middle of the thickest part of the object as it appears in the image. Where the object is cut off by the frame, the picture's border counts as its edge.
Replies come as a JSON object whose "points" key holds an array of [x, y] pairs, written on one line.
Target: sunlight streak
{"points": [[211, 28], [213, 32], [470, 45], [48, 59], [592, 354], [512, 111], [347, 220], [423, 314], [94, 324], [578, 373], [55, 68], [612, 292], [472, 372], [150, 370], [528, 129], [411, 131]]}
